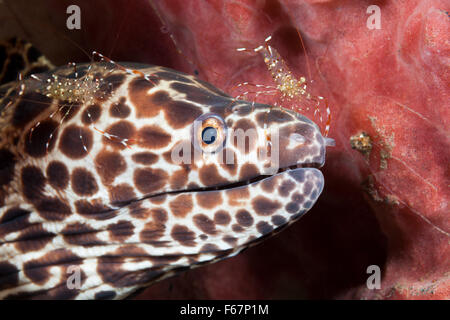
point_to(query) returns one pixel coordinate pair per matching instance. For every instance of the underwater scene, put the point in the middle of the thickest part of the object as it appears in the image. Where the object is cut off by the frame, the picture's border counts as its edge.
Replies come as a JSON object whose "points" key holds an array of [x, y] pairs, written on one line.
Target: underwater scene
{"points": [[196, 150]]}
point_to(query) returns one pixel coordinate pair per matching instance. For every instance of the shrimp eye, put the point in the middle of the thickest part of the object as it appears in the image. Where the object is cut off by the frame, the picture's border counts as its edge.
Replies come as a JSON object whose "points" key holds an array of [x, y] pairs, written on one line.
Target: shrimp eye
{"points": [[209, 133]]}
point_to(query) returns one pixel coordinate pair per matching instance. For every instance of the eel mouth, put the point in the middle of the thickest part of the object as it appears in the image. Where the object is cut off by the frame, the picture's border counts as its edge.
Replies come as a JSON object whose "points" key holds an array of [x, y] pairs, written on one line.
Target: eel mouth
{"points": [[225, 187], [258, 178]]}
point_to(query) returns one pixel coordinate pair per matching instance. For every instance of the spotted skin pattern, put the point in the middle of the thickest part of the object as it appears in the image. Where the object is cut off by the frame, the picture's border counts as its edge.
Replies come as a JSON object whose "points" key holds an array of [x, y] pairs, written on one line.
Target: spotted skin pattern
{"points": [[17, 55], [94, 188]]}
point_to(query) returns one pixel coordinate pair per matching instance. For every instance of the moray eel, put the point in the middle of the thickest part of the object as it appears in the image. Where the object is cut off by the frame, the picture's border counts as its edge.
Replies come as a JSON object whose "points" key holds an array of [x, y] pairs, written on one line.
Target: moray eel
{"points": [[112, 180]]}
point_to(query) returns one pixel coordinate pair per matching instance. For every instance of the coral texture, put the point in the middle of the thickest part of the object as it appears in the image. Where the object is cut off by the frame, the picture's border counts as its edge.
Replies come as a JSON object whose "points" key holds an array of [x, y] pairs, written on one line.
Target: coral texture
{"points": [[387, 207]]}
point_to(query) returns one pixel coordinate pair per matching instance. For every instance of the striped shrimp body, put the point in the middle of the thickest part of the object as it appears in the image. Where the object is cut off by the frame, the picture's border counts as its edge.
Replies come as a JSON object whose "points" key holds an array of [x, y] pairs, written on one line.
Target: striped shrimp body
{"points": [[286, 83]]}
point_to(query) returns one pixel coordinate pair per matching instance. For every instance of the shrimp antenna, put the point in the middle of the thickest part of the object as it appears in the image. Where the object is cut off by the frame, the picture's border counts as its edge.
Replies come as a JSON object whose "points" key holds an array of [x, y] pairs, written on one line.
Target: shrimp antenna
{"points": [[308, 67]]}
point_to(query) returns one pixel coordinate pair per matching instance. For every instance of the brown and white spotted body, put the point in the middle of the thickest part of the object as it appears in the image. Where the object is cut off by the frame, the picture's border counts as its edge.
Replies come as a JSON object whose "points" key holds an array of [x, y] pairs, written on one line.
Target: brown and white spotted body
{"points": [[97, 186], [17, 55]]}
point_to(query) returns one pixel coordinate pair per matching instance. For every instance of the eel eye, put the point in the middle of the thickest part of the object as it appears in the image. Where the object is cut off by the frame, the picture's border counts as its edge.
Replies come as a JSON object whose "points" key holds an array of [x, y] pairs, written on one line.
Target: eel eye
{"points": [[209, 133]]}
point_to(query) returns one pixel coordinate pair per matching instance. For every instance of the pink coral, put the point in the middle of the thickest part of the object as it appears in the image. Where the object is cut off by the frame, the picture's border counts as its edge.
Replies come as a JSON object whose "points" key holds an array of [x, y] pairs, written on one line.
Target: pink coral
{"points": [[386, 208]]}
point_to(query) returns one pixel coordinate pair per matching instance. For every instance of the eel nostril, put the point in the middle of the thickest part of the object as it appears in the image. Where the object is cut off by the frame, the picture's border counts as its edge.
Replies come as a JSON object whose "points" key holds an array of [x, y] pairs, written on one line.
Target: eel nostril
{"points": [[329, 142]]}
